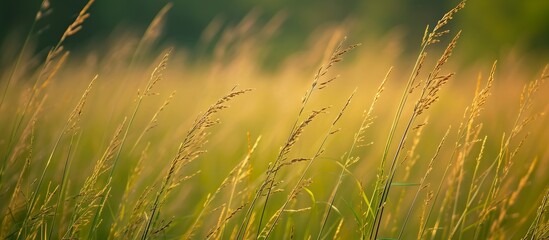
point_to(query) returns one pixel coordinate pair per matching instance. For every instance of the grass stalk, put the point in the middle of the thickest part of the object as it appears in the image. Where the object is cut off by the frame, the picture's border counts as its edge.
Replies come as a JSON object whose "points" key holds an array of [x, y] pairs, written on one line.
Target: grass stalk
{"points": [[64, 179], [189, 149], [422, 184], [319, 152], [349, 160], [155, 77]]}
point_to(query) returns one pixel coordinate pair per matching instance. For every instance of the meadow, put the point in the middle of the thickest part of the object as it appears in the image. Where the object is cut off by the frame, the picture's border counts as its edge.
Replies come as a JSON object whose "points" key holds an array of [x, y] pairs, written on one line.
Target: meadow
{"points": [[344, 140]]}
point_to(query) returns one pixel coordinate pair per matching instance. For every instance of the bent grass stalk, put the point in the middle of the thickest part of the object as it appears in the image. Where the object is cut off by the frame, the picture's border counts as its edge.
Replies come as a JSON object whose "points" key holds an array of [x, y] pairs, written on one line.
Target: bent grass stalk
{"points": [[521, 120], [296, 131], [69, 125], [155, 77], [284, 161], [36, 90], [428, 96], [90, 196], [464, 130], [229, 213], [310, 161], [428, 39], [338, 52], [422, 184], [358, 138], [233, 176], [190, 149], [415, 71], [64, 179], [50, 59]]}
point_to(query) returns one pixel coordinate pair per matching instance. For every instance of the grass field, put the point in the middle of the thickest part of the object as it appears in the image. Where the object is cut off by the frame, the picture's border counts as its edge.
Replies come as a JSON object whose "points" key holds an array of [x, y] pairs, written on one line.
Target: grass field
{"points": [[342, 141]]}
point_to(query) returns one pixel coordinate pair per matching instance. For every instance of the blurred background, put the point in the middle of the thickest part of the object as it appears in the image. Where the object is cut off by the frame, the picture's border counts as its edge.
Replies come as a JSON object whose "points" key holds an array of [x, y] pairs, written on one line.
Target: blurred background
{"points": [[274, 47], [491, 28]]}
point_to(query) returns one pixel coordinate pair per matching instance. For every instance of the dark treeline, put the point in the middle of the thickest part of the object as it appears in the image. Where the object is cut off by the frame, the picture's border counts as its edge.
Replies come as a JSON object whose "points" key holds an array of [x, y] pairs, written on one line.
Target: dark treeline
{"points": [[489, 26]]}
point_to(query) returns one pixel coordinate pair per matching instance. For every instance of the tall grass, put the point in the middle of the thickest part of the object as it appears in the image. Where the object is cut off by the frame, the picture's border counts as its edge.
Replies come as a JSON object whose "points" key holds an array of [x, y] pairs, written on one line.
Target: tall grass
{"points": [[370, 151]]}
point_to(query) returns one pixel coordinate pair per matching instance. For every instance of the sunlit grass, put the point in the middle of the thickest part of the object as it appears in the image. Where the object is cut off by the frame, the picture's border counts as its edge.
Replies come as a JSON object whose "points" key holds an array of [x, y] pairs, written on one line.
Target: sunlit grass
{"points": [[343, 141]]}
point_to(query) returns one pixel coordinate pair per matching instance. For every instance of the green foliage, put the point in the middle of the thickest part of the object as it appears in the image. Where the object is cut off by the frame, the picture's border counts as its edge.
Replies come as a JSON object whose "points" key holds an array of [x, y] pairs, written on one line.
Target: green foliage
{"points": [[109, 159]]}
